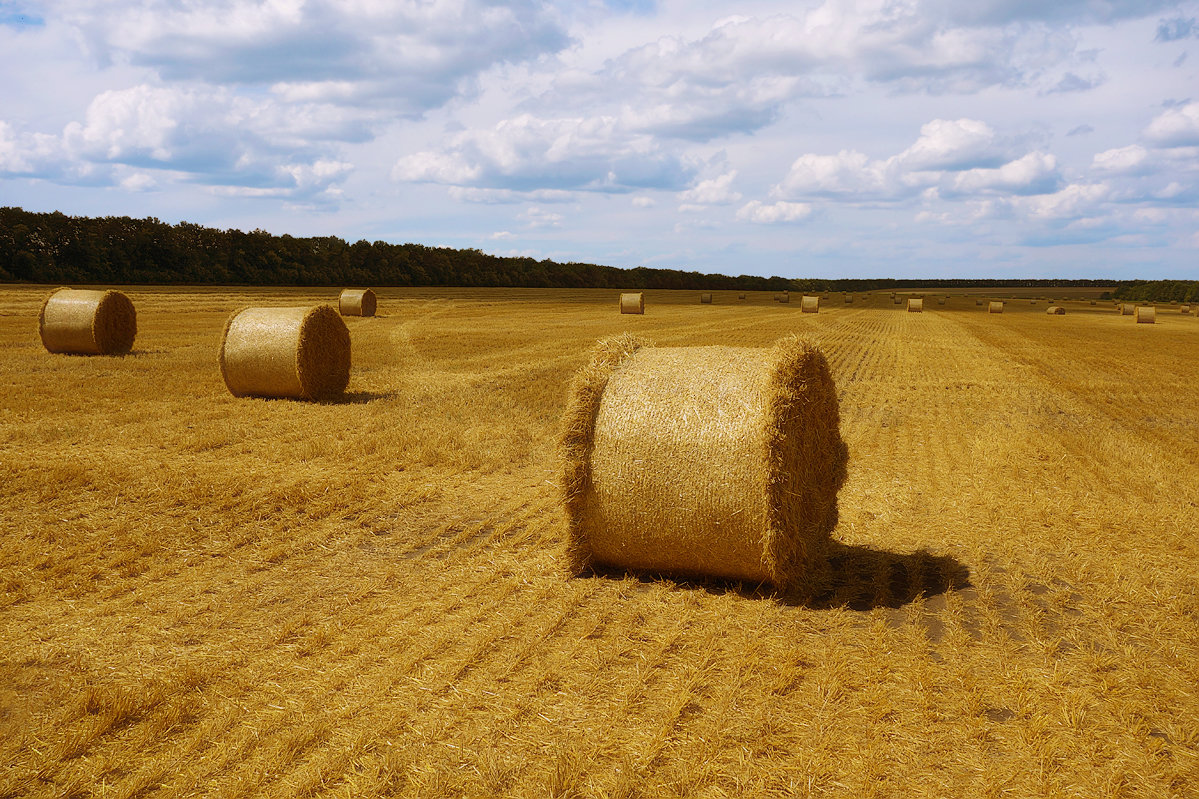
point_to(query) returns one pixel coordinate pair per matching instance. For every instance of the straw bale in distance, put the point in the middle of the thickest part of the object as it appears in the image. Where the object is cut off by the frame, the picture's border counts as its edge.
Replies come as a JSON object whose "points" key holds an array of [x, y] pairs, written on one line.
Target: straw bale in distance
{"points": [[1055, 310], [915, 305], [809, 304], [995, 307], [716, 461], [87, 322], [740, 296], [301, 353], [357, 302], [784, 297], [978, 302], [896, 300], [941, 300], [705, 298], [632, 302], [848, 298], [1146, 315], [1186, 309]]}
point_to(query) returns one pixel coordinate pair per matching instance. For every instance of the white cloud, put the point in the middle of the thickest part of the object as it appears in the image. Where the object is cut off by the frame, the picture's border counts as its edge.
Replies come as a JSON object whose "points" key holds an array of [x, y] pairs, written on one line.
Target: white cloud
{"points": [[1077, 200], [948, 144], [1034, 173], [715, 191], [782, 211], [1130, 160], [642, 201], [1175, 127], [536, 217]]}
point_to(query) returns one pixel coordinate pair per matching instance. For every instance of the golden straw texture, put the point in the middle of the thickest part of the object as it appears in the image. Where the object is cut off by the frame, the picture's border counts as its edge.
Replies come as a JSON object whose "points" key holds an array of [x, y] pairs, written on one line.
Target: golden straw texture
{"points": [[1055, 310], [1127, 309], [809, 304], [87, 322], [915, 304], [301, 353], [1146, 315], [716, 461], [356, 302], [995, 307], [632, 303]]}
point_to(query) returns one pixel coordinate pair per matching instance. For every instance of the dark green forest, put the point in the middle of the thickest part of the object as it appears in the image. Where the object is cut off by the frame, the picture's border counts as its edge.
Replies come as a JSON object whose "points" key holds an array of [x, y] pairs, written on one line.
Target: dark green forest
{"points": [[56, 248]]}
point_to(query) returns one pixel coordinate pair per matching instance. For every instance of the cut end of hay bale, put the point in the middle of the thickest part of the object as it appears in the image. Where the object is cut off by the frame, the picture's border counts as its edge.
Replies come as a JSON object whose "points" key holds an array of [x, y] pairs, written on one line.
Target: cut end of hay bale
{"points": [[809, 304], [87, 322], [1146, 315], [995, 307], [356, 302], [297, 353], [633, 303], [1055, 310], [739, 460], [915, 305]]}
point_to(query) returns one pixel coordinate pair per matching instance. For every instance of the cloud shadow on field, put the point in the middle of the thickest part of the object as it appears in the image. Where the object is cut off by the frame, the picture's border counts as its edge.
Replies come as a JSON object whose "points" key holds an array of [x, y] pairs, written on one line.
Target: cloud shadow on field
{"points": [[856, 577]]}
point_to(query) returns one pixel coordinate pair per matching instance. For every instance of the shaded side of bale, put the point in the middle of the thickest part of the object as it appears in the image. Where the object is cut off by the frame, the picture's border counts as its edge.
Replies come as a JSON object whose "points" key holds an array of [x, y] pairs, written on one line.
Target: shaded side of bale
{"points": [[809, 304], [87, 322], [978, 302], [356, 302], [712, 461], [1055, 310], [298, 353], [740, 296], [784, 297], [632, 302], [995, 307], [705, 298], [915, 305], [1146, 315]]}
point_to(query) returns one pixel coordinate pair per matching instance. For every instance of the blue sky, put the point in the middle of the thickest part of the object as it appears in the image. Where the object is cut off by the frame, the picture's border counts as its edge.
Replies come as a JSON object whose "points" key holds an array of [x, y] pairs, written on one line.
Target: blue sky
{"points": [[843, 138]]}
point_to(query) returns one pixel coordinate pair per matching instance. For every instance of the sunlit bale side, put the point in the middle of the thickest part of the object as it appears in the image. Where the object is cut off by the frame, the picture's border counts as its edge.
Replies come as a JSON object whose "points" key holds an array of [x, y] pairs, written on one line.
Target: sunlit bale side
{"points": [[1146, 315], [809, 304], [87, 322], [1055, 310], [705, 298], [298, 353], [633, 302], [995, 307], [713, 461], [915, 304]]}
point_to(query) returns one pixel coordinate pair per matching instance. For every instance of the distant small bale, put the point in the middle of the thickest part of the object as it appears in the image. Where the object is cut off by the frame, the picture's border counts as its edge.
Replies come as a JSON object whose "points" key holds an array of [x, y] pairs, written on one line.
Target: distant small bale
{"points": [[1055, 310], [300, 353], [941, 300], [809, 304], [915, 305], [712, 461], [705, 298], [357, 302], [740, 296], [896, 300], [995, 307], [978, 302], [1146, 315], [848, 298], [1032, 302], [87, 322], [1093, 302], [1186, 309], [633, 302], [784, 297]]}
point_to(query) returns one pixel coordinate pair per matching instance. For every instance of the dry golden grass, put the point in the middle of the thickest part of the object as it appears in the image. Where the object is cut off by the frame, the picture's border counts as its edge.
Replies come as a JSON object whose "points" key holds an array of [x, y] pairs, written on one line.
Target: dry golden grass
{"points": [[206, 595]]}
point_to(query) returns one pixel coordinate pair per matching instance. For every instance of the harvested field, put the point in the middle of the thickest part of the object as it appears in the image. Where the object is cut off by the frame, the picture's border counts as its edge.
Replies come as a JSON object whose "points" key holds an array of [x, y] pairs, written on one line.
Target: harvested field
{"points": [[207, 595]]}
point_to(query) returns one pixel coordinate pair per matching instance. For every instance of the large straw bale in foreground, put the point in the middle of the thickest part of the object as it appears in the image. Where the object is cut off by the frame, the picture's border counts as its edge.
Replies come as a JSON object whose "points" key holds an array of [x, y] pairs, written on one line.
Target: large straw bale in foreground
{"points": [[809, 304], [995, 307], [357, 302], [1146, 315], [718, 461], [1055, 310], [302, 353], [632, 302], [87, 322], [915, 305]]}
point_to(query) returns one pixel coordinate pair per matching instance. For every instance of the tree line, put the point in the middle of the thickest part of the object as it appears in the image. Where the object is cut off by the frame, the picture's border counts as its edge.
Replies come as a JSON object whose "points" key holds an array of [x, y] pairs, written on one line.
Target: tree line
{"points": [[1159, 291], [56, 248]]}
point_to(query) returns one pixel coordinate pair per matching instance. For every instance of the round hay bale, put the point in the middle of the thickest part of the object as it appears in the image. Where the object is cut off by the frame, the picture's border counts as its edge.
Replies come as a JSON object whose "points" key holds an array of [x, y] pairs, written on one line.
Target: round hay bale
{"points": [[978, 302], [995, 307], [784, 297], [87, 322], [301, 353], [809, 304], [1186, 309], [1055, 310], [356, 302], [1146, 315], [941, 300], [915, 305], [632, 303], [740, 296], [848, 298], [1127, 309], [1093, 302], [705, 298], [716, 461], [896, 300]]}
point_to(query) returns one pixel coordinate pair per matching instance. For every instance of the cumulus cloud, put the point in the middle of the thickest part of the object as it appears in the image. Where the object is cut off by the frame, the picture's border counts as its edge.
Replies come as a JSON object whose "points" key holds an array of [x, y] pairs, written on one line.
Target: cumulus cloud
{"points": [[412, 56], [715, 191], [782, 211], [1175, 127], [1034, 173], [1131, 160], [529, 153]]}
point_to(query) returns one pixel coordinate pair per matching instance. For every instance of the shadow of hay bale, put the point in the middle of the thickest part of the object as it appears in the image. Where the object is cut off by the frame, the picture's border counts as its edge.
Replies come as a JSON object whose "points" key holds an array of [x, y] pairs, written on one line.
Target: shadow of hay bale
{"points": [[856, 577]]}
